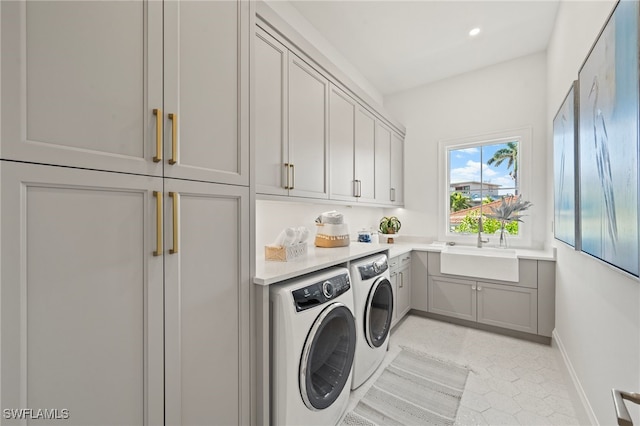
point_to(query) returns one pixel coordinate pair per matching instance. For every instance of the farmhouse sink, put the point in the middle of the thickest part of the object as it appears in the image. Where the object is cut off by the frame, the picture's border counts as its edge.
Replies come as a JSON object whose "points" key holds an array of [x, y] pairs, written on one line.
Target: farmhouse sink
{"points": [[485, 263]]}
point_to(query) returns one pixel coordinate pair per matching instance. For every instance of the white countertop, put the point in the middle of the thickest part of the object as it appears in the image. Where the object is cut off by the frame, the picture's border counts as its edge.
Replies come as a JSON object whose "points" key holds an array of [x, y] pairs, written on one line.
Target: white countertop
{"points": [[317, 258]]}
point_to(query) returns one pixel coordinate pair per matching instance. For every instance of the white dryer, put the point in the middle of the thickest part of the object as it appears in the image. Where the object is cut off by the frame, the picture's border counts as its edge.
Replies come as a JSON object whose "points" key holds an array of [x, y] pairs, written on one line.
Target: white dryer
{"points": [[373, 300], [313, 340]]}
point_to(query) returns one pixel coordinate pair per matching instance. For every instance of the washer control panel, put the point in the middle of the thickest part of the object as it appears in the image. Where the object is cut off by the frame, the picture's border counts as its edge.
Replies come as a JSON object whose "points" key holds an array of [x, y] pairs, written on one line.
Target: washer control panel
{"points": [[374, 268], [320, 292]]}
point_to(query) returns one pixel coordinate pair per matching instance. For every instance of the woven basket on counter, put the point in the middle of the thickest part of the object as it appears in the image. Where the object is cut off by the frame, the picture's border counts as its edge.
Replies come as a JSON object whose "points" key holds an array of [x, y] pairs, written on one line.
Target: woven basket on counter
{"points": [[332, 235]]}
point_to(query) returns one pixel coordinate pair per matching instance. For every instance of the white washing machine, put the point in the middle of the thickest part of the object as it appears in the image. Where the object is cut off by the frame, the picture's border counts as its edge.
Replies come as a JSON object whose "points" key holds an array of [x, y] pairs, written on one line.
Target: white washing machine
{"points": [[373, 300], [313, 341]]}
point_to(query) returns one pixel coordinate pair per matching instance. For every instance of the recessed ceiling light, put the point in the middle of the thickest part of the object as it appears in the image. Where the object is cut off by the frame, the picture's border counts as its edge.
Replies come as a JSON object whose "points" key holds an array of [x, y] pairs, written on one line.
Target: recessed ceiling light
{"points": [[474, 32]]}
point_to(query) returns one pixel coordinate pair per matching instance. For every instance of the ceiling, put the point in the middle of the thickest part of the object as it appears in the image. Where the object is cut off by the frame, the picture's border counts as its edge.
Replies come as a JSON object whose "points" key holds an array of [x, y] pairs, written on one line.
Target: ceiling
{"points": [[397, 45]]}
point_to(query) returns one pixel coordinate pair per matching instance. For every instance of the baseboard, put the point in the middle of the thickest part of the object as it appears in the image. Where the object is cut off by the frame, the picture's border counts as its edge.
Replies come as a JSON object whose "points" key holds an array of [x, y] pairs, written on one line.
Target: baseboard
{"points": [[578, 395], [486, 327]]}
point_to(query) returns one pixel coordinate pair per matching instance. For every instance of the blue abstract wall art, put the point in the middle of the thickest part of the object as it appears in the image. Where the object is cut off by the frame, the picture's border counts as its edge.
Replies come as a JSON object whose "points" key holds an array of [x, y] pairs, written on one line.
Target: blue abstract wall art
{"points": [[564, 168], [608, 140]]}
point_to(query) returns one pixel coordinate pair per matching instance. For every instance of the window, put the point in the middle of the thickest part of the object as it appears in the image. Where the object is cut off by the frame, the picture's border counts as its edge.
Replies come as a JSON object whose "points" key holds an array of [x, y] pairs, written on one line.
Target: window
{"points": [[477, 173]]}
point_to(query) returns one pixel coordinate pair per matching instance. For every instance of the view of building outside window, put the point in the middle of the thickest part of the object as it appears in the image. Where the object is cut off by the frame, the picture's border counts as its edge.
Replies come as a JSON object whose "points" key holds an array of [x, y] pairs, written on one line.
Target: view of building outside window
{"points": [[479, 176]]}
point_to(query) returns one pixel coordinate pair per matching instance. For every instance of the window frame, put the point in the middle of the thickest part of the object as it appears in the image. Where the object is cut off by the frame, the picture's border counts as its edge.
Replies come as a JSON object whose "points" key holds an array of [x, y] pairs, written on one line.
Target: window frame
{"points": [[524, 137]]}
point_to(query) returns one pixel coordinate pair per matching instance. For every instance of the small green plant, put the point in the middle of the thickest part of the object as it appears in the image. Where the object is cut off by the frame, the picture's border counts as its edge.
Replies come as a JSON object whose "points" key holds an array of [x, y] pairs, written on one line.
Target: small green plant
{"points": [[390, 225]]}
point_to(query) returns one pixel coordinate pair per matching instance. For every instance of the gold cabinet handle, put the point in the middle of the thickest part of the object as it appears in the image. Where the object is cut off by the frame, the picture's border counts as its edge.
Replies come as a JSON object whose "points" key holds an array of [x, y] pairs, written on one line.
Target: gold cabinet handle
{"points": [[158, 113], [158, 196], [174, 197], [174, 138]]}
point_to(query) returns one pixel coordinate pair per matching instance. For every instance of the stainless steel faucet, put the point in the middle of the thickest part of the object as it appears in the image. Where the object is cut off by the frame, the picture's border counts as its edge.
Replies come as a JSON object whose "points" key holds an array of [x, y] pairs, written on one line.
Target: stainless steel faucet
{"points": [[480, 240]]}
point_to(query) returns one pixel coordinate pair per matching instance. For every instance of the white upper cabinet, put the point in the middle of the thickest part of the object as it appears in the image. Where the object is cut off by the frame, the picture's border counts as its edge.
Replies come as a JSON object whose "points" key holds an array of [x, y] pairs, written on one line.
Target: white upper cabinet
{"points": [[78, 90], [365, 126], [308, 111], [150, 95], [270, 76], [341, 146], [352, 149], [291, 122], [382, 163], [206, 91], [314, 137], [397, 169]]}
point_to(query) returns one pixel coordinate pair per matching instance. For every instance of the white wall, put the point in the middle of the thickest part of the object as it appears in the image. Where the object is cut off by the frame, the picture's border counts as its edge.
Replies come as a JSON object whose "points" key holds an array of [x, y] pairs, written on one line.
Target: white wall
{"points": [[273, 216], [597, 307], [309, 32], [500, 97]]}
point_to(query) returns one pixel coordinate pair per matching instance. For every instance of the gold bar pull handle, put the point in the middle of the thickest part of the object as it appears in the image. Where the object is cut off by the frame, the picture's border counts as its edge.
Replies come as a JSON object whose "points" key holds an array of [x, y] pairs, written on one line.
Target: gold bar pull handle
{"points": [[174, 198], [174, 138], [158, 196], [158, 113]]}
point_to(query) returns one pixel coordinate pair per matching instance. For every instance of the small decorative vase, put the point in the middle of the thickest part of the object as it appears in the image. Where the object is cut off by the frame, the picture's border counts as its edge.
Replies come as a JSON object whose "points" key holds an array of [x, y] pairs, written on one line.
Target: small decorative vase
{"points": [[390, 239], [503, 236]]}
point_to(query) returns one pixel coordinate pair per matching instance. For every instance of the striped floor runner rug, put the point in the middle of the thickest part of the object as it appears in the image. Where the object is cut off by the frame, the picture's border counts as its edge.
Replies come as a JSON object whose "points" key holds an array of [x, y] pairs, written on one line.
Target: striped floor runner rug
{"points": [[414, 389]]}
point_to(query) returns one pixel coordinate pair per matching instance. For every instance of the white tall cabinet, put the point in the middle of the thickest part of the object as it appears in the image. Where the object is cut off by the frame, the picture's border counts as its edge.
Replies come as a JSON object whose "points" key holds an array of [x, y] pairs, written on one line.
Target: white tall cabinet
{"points": [[125, 273], [82, 294]]}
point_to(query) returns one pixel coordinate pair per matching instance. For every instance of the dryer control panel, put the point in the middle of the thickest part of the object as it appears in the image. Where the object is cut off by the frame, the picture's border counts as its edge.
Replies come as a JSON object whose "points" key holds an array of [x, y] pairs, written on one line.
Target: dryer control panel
{"points": [[373, 269], [320, 292]]}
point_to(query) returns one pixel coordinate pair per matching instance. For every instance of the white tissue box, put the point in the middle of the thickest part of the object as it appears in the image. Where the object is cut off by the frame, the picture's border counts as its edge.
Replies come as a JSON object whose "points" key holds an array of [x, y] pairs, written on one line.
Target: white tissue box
{"points": [[285, 254]]}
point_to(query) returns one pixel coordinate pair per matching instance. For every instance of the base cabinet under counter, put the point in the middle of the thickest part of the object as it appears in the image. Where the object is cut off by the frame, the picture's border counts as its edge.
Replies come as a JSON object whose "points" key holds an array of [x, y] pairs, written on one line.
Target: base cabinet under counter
{"points": [[400, 272], [487, 303], [527, 305]]}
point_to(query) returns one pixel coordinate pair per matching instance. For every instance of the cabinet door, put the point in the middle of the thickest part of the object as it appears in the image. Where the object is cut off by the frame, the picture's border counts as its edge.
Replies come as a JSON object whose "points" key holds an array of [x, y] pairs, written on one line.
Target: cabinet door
{"points": [[206, 303], [383, 164], [206, 89], [270, 71], [452, 297], [82, 294], [508, 306], [404, 291], [419, 279], [308, 111], [78, 90], [341, 145], [365, 154], [393, 279], [397, 169]]}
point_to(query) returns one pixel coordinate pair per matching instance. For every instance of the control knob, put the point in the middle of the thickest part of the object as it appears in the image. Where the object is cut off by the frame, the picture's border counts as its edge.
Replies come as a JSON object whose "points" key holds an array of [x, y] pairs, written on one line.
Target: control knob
{"points": [[328, 289]]}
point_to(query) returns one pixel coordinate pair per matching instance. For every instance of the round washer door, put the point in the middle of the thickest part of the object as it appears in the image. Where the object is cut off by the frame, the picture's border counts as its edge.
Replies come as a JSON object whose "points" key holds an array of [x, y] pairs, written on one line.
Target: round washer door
{"points": [[327, 356], [378, 313]]}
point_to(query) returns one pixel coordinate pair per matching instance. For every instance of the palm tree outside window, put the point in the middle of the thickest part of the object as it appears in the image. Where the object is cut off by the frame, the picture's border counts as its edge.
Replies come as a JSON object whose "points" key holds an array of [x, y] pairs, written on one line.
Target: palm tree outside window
{"points": [[479, 176]]}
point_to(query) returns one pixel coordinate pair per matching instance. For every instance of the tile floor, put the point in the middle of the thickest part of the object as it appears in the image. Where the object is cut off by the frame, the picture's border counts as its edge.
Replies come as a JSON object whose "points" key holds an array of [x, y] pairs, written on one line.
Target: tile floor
{"points": [[511, 381]]}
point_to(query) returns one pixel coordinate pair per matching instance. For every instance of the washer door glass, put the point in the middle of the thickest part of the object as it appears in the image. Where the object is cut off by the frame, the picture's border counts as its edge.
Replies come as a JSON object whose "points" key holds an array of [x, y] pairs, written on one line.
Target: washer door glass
{"points": [[327, 357], [378, 313]]}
